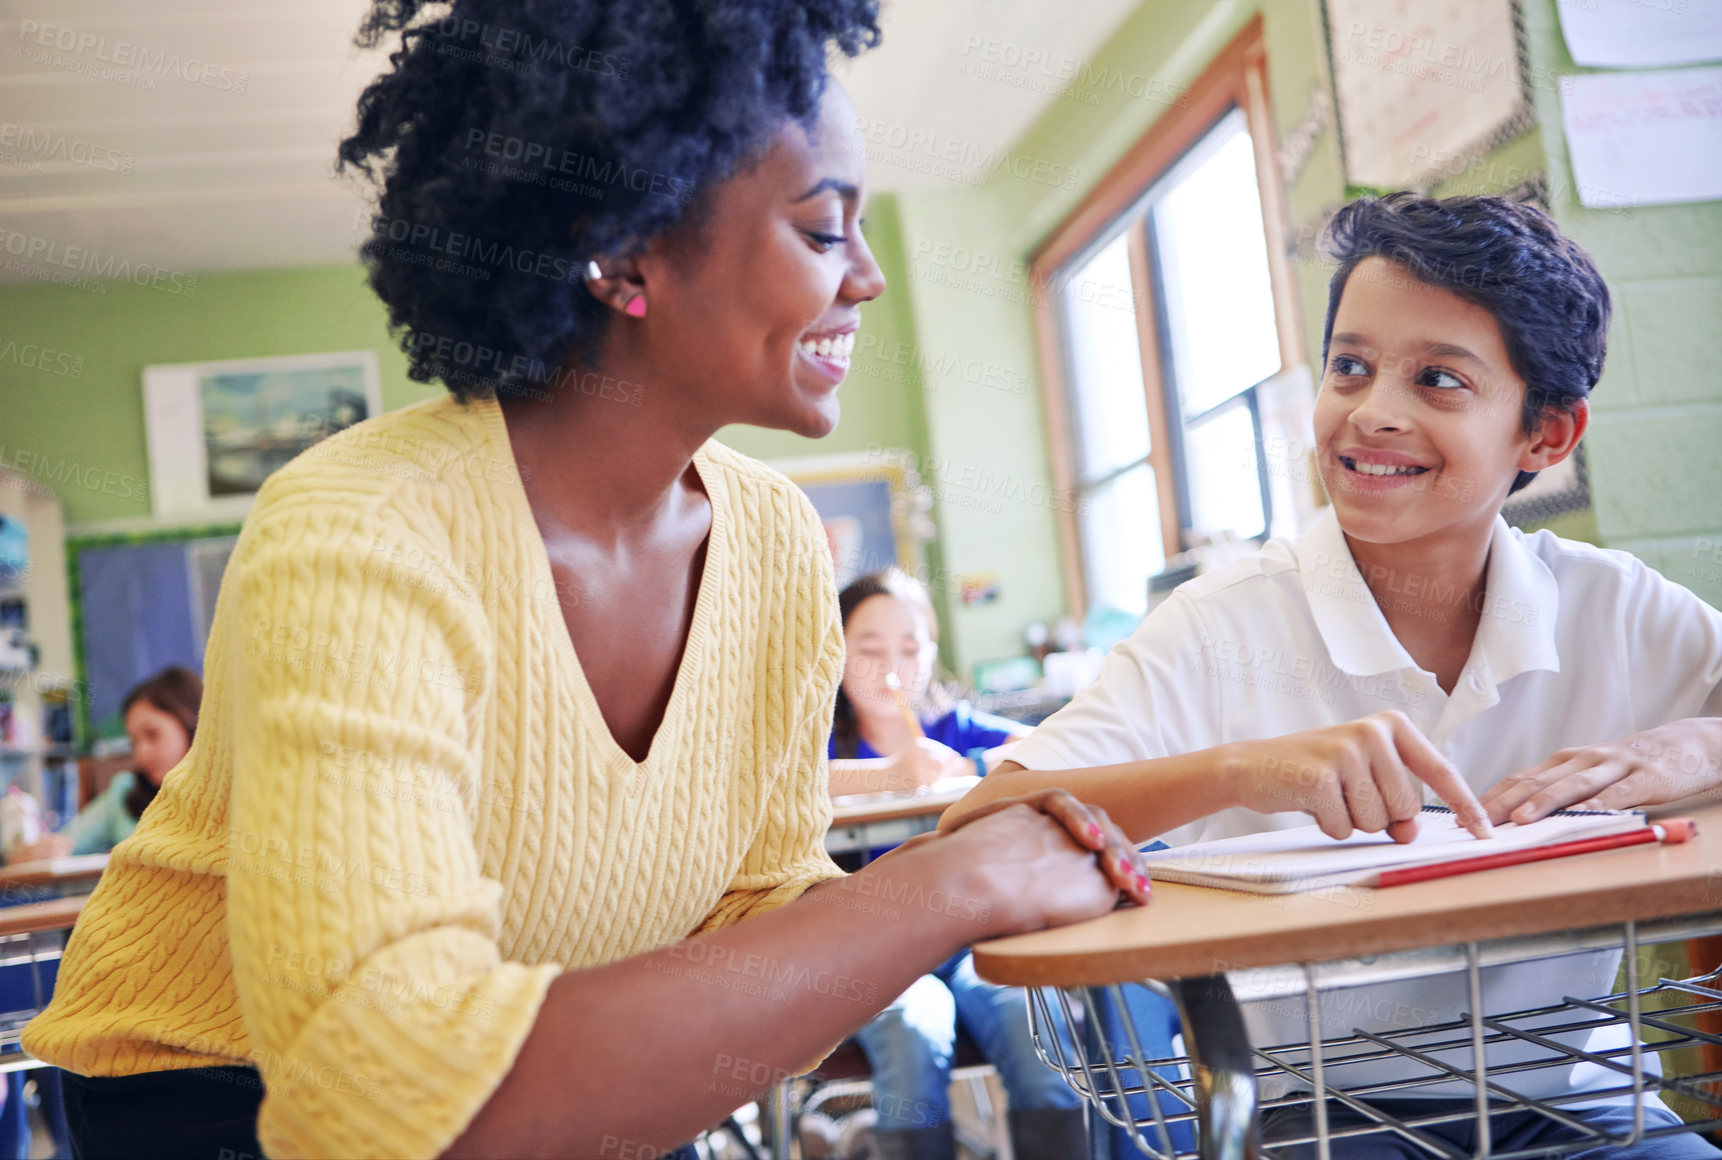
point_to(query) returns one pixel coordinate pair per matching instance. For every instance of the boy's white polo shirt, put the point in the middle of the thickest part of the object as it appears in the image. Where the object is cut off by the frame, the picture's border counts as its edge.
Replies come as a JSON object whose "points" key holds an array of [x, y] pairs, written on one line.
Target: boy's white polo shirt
{"points": [[1576, 645]]}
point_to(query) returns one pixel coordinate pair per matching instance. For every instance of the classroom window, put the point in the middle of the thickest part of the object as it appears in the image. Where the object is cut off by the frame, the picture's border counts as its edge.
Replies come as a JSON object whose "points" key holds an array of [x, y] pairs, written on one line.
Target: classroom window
{"points": [[1170, 315], [1210, 267], [1117, 507]]}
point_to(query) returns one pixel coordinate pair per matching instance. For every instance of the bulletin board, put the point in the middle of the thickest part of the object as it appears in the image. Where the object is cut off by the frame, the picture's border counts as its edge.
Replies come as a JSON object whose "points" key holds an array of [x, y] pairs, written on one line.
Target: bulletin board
{"points": [[1425, 86], [872, 508], [140, 603]]}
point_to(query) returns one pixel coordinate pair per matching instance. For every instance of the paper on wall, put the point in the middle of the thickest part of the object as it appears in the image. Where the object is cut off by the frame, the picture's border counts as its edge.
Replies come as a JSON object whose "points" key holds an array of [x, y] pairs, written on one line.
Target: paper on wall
{"points": [[1644, 138], [1641, 33]]}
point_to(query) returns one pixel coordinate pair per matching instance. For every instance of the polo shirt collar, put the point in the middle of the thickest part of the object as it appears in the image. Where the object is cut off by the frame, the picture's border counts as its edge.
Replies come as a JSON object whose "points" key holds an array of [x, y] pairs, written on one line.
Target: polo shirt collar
{"points": [[1350, 621], [1516, 633], [1521, 611]]}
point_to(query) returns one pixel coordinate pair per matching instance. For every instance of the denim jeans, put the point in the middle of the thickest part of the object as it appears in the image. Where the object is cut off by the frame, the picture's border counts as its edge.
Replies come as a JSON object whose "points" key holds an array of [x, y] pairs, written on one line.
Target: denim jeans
{"points": [[1155, 1021], [910, 1045]]}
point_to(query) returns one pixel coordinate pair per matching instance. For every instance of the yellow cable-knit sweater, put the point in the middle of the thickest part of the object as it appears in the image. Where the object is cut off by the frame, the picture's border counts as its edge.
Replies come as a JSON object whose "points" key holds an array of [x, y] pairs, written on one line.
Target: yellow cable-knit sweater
{"points": [[403, 814]]}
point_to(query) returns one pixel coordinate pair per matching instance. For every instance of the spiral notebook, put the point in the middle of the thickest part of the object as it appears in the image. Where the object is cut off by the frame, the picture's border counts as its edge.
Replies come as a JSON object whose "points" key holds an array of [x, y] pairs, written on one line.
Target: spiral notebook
{"points": [[1302, 859]]}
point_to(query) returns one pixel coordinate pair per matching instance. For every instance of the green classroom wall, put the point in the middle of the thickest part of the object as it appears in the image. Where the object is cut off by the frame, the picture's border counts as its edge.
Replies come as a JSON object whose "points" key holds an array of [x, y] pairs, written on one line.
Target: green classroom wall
{"points": [[1655, 477], [946, 368], [63, 425], [58, 423], [965, 247], [1655, 470]]}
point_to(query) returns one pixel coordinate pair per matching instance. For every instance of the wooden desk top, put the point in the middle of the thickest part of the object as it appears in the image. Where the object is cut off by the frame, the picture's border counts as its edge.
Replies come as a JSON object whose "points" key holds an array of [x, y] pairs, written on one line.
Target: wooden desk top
{"points": [[1188, 931], [50, 870], [55, 914], [861, 809]]}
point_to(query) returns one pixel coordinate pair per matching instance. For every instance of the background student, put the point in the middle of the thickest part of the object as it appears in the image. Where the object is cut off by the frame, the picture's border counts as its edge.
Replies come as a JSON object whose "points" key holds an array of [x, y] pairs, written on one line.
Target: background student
{"points": [[161, 720], [889, 630], [889, 627], [1414, 639]]}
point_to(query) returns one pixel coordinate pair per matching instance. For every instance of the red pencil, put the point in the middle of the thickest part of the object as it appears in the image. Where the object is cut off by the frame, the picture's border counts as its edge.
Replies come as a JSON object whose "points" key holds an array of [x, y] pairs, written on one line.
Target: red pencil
{"points": [[1670, 830]]}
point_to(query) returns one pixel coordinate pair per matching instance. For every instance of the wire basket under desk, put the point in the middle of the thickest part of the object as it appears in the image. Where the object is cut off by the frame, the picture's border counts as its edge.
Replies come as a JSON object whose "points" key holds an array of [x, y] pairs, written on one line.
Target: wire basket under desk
{"points": [[1208, 1102]]}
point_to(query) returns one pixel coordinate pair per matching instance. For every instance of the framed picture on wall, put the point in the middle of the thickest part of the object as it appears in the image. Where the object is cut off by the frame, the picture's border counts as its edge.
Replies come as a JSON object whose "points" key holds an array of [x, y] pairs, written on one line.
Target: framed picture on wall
{"points": [[217, 430], [871, 507], [1424, 87]]}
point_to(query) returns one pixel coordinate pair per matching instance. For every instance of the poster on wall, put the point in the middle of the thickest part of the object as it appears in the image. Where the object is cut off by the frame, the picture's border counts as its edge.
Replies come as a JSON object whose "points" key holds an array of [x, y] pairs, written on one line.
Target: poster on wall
{"points": [[217, 430], [1635, 34], [141, 602], [1561, 489], [1424, 86], [1644, 138]]}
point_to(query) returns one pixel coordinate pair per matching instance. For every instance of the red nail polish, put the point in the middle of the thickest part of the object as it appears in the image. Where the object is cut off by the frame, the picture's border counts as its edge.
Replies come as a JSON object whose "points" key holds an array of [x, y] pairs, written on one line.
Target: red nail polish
{"points": [[1094, 831], [1142, 883]]}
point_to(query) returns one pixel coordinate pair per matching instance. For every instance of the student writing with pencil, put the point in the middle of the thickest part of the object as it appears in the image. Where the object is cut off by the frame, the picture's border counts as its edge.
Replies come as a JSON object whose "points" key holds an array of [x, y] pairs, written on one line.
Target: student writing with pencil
{"points": [[879, 740], [1411, 642], [890, 651]]}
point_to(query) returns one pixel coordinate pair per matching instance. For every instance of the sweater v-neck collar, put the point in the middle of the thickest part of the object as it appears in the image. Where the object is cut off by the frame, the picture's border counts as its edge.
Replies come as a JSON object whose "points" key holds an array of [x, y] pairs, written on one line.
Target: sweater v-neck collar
{"points": [[694, 650]]}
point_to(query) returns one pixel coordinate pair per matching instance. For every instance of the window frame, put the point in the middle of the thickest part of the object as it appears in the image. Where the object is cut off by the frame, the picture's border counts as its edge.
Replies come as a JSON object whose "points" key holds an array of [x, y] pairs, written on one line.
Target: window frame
{"points": [[1235, 78]]}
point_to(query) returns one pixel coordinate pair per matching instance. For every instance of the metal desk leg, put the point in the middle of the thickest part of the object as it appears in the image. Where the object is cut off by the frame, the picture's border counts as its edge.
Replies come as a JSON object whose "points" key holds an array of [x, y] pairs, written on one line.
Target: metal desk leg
{"points": [[782, 1121], [1221, 1064]]}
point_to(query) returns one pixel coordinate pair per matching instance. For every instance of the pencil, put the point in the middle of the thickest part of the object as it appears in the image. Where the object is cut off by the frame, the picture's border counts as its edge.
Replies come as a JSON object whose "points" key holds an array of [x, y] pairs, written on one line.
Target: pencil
{"points": [[902, 699], [1670, 830]]}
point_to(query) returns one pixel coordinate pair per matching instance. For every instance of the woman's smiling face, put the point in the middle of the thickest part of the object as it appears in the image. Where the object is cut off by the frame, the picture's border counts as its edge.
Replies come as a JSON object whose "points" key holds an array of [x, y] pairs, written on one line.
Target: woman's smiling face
{"points": [[767, 286], [1418, 425]]}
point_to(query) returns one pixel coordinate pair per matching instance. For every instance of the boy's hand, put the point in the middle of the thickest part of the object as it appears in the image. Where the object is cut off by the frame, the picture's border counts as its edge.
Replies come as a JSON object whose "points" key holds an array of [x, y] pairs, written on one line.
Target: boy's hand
{"points": [[1658, 765], [1362, 775]]}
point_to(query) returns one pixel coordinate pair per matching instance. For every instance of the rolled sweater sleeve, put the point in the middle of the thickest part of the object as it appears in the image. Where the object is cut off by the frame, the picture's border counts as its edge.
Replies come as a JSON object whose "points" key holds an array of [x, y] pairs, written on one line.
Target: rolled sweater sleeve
{"points": [[363, 933]]}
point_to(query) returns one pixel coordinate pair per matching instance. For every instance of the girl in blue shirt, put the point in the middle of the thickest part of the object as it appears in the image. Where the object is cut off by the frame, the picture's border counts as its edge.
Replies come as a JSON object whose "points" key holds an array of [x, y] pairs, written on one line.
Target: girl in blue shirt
{"points": [[888, 627], [161, 719]]}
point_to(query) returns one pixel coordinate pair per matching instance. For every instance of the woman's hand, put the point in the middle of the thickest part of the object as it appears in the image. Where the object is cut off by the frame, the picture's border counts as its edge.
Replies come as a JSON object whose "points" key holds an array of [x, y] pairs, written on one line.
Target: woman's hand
{"points": [[1658, 765], [1086, 828], [924, 763], [1361, 775]]}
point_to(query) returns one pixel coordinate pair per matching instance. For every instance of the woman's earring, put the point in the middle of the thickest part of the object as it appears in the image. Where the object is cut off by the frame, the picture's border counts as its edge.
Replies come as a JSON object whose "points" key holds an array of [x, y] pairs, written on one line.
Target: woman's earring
{"points": [[592, 271], [636, 307]]}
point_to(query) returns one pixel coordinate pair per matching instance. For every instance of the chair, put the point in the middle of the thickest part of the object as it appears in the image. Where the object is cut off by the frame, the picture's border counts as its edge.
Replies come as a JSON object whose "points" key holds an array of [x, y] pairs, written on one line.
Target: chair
{"points": [[847, 1067], [32, 936]]}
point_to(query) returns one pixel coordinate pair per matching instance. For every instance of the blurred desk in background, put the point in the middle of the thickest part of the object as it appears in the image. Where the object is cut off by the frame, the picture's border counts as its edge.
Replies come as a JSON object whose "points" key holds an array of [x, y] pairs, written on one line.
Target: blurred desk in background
{"points": [[29, 882], [862, 823], [1028, 706]]}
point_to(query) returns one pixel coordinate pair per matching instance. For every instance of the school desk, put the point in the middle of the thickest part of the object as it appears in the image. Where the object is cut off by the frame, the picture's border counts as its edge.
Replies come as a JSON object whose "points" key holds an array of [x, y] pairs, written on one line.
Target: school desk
{"points": [[1184, 941], [50, 877]]}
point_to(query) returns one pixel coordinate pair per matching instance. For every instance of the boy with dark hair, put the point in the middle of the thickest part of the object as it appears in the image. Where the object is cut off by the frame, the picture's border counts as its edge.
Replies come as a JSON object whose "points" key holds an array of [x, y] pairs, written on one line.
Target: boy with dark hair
{"points": [[1411, 643]]}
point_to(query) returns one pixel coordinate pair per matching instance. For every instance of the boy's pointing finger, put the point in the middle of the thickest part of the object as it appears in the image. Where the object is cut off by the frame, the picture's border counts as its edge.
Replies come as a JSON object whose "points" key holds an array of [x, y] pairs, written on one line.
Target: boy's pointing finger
{"points": [[1424, 760]]}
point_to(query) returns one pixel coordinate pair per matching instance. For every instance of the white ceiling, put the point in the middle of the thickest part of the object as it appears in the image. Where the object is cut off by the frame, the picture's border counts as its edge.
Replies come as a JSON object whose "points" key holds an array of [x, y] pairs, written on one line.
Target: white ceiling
{"points": [[202, 176]]}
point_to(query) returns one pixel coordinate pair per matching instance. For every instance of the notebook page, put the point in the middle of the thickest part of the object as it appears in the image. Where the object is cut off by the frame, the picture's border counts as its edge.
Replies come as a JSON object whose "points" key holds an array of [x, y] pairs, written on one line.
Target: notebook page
{"points": [[1305, 858]]}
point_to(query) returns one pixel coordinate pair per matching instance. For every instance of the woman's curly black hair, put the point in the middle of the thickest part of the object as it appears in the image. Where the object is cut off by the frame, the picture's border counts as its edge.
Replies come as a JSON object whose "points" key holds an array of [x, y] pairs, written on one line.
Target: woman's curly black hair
{"points": [[1545, 293], [517, 139]]}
